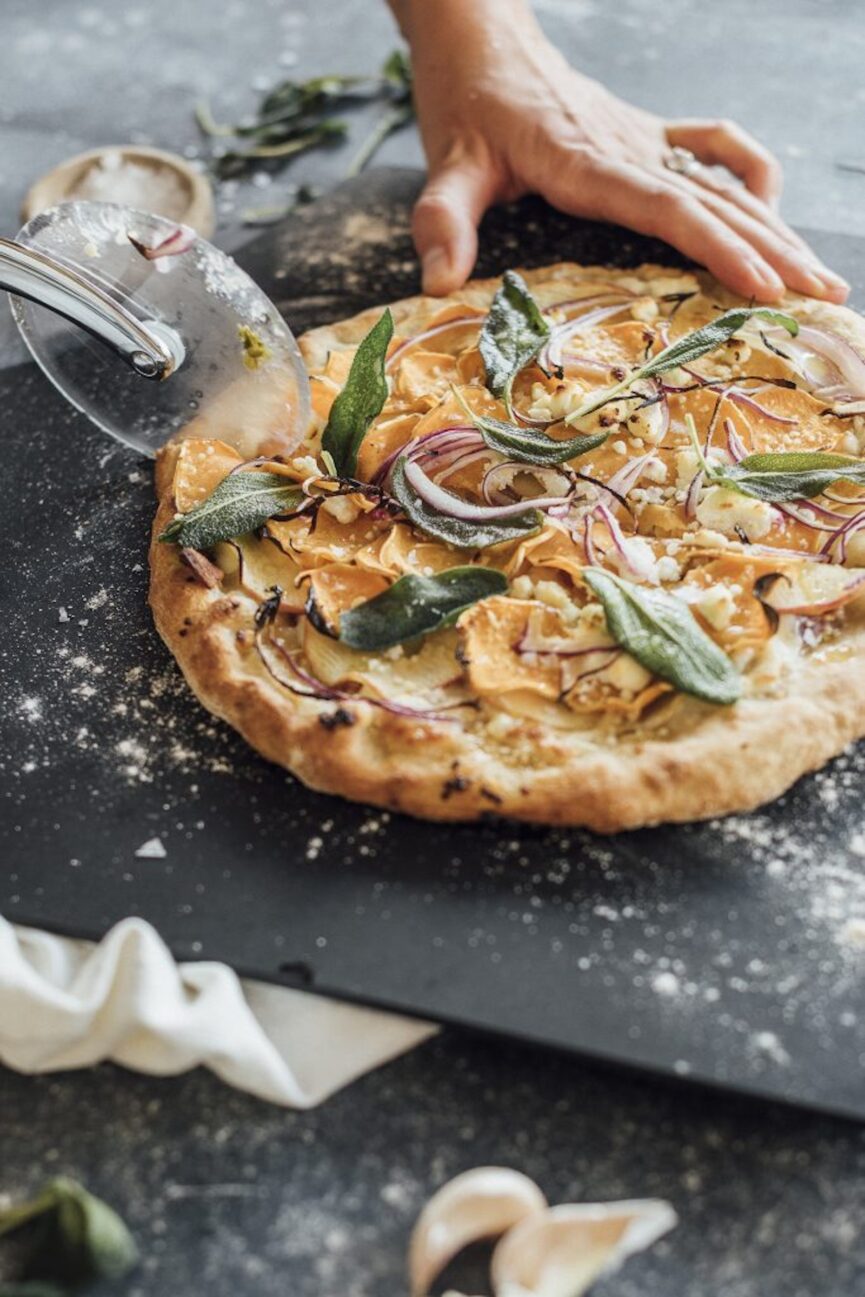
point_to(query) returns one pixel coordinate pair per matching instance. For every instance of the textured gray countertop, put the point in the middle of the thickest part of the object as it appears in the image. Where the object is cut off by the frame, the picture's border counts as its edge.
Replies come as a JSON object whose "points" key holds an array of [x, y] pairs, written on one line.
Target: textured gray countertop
{"points": [[227, 1195]]}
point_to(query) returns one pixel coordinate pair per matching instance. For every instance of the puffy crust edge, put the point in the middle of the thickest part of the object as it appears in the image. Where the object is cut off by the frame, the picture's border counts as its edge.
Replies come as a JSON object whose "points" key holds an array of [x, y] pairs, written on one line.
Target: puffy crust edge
{"points": [[729, 760]]}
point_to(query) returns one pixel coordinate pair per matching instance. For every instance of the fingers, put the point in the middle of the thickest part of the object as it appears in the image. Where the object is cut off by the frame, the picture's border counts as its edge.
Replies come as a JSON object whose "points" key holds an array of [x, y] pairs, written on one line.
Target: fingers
{"points": [[726, 144], [446, 217], [789, 255], [587, 185]]}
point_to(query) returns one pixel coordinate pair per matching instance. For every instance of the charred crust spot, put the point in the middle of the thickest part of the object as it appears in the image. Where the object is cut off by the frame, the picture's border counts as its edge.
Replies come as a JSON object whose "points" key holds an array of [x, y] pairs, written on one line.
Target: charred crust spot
{"points": [[461, 656], [455, 785], [490, 796], [338, 719]]}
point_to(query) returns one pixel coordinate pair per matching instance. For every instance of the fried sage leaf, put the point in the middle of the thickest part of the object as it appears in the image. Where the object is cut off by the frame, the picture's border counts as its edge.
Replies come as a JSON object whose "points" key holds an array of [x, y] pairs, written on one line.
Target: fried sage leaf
{"points": [[530, 445], [661, 632], [687, 349], [67, 1238], [415, 605], [360, 400], [781, 476], [513, 334], [241, 503], [458, 531]]}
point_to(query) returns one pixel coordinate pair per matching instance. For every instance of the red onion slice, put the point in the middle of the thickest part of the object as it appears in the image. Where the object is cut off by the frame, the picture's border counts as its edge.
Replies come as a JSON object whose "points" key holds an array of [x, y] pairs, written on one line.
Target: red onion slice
{"points": [[459, 322], [453, 506], [179, 240], [641, 568], [550, 355], [735, 445], [829, 348]]}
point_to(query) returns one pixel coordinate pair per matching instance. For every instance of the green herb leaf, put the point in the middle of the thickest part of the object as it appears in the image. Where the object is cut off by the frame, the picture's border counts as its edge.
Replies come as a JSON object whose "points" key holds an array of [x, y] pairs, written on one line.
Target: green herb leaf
{"points": [[513, 334], [74, 1239], [241, 503], [789, 475], [361, 399], [685, 350], [530, 445], [457, 531], [415, 605], [661, 632]]}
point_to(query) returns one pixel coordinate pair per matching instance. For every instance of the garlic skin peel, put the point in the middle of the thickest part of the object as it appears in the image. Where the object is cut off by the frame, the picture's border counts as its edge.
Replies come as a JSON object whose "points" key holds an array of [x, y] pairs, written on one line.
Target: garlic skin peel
{"points": [[562, 1251], [480, 1204]]}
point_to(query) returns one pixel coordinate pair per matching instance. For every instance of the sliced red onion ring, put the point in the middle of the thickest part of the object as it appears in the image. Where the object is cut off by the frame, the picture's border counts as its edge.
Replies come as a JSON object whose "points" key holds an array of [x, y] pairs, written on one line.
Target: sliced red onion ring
{"points": [[550, 355], [693, 495], [498, 479], [841, 536], [629, 474], [633, 560], [437, 440], [453, 506], [747, 402], [829, 348], [179, 240], [316, 688], [460, 321], [735, 445], [557, 645]]}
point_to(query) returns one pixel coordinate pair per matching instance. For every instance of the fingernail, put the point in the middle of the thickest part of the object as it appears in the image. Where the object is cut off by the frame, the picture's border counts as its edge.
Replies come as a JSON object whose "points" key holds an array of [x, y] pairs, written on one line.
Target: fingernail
{"points": [[772, 282], [436, 265]]}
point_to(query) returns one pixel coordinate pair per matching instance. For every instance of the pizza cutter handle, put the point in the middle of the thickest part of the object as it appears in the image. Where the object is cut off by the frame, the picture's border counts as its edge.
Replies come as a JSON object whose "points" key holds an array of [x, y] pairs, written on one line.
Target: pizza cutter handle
{"points": [[150, 348]]}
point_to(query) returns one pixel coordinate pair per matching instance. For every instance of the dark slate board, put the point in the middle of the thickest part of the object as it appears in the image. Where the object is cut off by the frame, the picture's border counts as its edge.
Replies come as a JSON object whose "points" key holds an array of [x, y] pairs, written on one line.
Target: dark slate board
{"points": [[721, 952]]}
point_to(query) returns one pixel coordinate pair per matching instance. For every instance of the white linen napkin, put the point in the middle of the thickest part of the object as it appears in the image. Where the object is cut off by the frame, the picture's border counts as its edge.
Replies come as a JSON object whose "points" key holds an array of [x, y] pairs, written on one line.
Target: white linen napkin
{"points": [[70, 1004]]}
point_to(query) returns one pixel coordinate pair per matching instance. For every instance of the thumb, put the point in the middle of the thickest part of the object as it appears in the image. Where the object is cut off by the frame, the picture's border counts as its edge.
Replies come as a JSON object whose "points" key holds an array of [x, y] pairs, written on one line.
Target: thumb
{"points": [[445, 221]]}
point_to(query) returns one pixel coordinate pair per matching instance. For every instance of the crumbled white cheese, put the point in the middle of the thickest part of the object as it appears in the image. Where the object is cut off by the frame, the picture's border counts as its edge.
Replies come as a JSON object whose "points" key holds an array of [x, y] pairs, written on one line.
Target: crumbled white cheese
{"points": [[307, 465], [342, 508], [646, 309], [668, 569], [557, 404], [655, 470], [620, 447], [625, 673], [724, 510], [522, 588], [555, 596], [687, 467], [717, 604]]}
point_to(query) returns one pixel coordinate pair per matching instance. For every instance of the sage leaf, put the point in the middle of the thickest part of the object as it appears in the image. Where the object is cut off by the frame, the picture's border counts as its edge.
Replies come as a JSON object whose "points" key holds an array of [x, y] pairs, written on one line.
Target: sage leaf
{"points": [[530, 445], [782, 476], [415, 605], [75, 1239], [241, 503], [458, 531], [512, 335], [661, 632], [360, 400], [687, 349]]}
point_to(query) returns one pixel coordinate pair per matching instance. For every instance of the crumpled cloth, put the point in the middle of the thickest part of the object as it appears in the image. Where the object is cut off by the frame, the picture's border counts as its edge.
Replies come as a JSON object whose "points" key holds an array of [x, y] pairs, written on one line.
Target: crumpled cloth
{"points": [[70, 1004]]}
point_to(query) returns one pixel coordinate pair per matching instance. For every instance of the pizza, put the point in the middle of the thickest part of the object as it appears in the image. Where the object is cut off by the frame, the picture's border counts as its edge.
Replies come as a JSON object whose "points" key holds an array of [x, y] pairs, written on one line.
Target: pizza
{"points": [[575, 546]]}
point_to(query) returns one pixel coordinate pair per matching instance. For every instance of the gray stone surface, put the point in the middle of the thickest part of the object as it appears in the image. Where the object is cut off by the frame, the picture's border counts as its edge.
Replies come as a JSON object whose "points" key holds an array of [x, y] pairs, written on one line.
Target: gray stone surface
{"points": [[230, 1196]]}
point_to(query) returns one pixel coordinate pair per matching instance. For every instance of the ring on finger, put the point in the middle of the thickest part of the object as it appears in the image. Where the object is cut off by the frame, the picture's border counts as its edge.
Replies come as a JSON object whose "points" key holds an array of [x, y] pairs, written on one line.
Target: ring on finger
{"points": [[681, 161]]}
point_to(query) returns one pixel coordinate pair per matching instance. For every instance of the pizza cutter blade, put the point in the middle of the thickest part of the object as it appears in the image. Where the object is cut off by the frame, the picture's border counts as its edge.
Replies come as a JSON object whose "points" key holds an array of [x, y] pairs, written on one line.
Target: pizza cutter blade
{"points": [[154, 333]]}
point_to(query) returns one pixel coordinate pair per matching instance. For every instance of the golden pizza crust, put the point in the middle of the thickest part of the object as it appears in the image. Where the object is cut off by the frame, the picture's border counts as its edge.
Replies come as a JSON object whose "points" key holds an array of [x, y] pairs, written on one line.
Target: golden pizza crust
{"points": [[688, 761]]}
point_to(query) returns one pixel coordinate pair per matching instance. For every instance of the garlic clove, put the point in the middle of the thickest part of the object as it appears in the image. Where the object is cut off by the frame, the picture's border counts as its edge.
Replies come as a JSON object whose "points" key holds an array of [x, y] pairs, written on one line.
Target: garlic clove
{"points": [[479, 1204], [561, 1252]]}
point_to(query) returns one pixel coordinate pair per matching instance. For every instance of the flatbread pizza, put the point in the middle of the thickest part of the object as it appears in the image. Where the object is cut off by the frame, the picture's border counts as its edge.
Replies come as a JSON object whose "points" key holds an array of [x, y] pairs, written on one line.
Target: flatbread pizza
{"points": [[577, 546]]}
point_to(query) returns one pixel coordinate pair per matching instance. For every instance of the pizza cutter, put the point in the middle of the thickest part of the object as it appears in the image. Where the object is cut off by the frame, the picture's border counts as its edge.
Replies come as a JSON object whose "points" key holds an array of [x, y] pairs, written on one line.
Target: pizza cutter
{"points": [[152, 332]]}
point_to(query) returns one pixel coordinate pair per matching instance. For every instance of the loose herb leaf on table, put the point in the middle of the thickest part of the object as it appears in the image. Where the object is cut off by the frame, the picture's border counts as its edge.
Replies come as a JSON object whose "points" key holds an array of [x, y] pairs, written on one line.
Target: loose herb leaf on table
{"points": [[512, 335], [67, 1238], [360, 400], [457, 531], [661, 632], [416, 605], [299, 115], [685, 350], [242, 502]]}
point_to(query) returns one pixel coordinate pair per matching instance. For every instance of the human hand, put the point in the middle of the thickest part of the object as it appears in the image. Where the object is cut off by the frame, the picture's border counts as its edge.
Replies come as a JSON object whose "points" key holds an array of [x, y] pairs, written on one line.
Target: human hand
{"points": [[502, 114]]}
